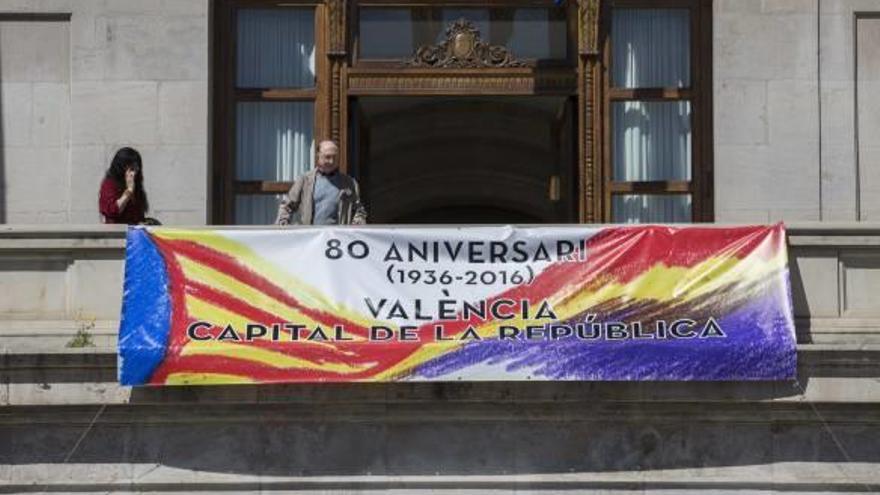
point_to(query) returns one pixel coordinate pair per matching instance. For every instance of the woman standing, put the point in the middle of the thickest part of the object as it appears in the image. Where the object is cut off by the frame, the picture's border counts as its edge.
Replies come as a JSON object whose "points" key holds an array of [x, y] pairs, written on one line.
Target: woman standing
{"points": [[122, 198]]}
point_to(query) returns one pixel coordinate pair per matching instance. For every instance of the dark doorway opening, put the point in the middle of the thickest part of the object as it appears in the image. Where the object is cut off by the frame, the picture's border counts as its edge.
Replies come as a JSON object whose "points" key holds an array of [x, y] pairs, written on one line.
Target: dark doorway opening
{"points": [[465, 160]]}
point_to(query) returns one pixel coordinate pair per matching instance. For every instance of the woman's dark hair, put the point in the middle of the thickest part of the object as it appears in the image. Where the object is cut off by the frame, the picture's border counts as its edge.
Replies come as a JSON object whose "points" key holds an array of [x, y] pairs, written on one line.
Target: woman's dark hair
{"points": [[125, 158]]}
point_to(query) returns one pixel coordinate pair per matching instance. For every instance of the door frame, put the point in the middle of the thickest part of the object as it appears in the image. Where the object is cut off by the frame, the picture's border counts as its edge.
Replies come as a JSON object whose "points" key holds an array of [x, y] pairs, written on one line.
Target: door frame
{"points": [[340, 80], [566, 210]]}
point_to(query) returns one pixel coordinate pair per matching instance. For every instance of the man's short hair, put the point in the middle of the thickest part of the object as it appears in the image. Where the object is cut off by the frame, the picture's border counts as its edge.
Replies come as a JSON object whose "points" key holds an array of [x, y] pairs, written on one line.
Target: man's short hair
{"points": [[324, 142]]}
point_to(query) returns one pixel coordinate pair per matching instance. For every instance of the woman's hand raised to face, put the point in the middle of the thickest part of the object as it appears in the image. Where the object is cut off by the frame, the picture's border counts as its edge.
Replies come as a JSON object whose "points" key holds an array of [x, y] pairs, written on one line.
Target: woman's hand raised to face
{"points": [[129, 180]]}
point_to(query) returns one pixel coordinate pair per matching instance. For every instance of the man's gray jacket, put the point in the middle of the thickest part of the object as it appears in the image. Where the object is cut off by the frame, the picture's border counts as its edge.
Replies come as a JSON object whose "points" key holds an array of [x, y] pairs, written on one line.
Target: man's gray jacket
{"points": [[301, 199]]}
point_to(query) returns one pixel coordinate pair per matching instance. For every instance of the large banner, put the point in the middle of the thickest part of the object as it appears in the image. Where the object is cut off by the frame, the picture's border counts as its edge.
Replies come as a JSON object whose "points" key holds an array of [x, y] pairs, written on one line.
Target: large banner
{"points": [[473, 303]]}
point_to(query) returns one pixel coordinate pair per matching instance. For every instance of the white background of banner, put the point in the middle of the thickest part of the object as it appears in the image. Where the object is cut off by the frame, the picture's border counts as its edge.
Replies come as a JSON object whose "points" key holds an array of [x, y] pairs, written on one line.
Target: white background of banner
{"points": [[301, 253]]}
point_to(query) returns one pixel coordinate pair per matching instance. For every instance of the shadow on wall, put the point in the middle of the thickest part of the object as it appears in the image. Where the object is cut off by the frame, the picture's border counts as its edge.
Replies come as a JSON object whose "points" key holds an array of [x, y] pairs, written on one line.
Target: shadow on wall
{"points": [[3, 205], [799, 299]]}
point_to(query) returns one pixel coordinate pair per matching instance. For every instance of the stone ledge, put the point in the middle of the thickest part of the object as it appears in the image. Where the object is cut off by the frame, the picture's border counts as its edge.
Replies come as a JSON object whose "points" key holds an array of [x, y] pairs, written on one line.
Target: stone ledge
{"points": [[861, 356], [24, 335], [48, 238], [351, 410], [40, 246], [636, 484], [802, 476], [546, 394], [41, 238], [54, 231], [827, 373], [804, 232]]}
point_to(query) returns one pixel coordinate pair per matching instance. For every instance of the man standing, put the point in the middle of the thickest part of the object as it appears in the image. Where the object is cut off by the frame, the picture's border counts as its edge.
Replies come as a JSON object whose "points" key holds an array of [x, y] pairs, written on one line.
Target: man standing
{"points": [[323, 195]]}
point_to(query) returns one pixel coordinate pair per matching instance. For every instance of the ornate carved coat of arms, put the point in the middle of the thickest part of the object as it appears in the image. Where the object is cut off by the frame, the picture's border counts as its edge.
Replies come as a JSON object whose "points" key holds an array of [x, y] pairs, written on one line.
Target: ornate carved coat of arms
{"points": [[463, 48]]}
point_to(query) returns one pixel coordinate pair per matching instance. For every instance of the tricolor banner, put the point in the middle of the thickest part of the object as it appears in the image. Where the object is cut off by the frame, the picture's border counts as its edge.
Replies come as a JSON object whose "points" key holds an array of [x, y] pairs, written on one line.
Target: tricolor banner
{"points": [[313, 304]]}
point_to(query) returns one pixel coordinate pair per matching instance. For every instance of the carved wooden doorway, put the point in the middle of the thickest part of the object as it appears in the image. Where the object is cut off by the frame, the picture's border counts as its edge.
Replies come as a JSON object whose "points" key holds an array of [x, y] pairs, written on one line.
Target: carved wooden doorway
{"points": [[466, 159], [466, 113], [305, 66]]}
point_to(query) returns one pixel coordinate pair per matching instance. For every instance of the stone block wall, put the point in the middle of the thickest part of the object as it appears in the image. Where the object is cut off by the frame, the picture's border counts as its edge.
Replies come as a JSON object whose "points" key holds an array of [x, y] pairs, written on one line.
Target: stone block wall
{"points": [[97, 76], [766, 110], [795, 82], [795, 107]]}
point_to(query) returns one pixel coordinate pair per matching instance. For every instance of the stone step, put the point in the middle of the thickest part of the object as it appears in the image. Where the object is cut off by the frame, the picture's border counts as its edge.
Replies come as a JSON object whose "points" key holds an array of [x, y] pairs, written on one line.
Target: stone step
{"points": [[797, 477], [840, 373]]}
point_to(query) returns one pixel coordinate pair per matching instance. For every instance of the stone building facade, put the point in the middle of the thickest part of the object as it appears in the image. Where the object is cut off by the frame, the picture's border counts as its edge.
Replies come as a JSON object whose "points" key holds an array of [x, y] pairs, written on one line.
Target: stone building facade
{"points": [[784, 111], [88, 78], [793, 109]]}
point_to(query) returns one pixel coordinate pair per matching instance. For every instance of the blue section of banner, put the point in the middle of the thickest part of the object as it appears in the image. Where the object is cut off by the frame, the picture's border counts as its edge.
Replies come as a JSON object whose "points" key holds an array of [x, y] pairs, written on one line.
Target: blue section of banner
{"points": [[146, 310]]}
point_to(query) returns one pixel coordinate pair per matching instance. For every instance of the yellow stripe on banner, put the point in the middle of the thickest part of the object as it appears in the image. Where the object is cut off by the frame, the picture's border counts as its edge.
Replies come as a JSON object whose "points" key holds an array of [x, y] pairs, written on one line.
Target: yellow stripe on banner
{"points": [[220, 281], [201, 310], [185, 378], [247, 257], [424, 354], [661, 283], [708, 278], [267, 357], [664, 284]]}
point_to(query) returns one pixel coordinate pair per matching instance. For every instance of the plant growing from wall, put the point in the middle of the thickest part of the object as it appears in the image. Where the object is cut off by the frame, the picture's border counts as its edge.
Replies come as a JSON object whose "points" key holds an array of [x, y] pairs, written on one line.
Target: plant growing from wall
{"points": [[83, 336]]}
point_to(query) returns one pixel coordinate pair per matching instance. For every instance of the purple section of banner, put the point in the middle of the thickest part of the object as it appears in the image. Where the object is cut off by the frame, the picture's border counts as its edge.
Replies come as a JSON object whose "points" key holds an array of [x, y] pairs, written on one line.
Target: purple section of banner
{"points": [[749, 352]]}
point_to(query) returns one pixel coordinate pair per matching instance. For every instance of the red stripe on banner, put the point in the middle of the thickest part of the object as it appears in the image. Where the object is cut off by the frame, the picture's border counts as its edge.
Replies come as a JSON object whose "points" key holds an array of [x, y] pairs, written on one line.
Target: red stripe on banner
{"points": [[231, 267], [250, 312], [384, 355], [242, 367], [177, 333], [332, 352], [179, 317], [626, 252], [651, 245]]}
